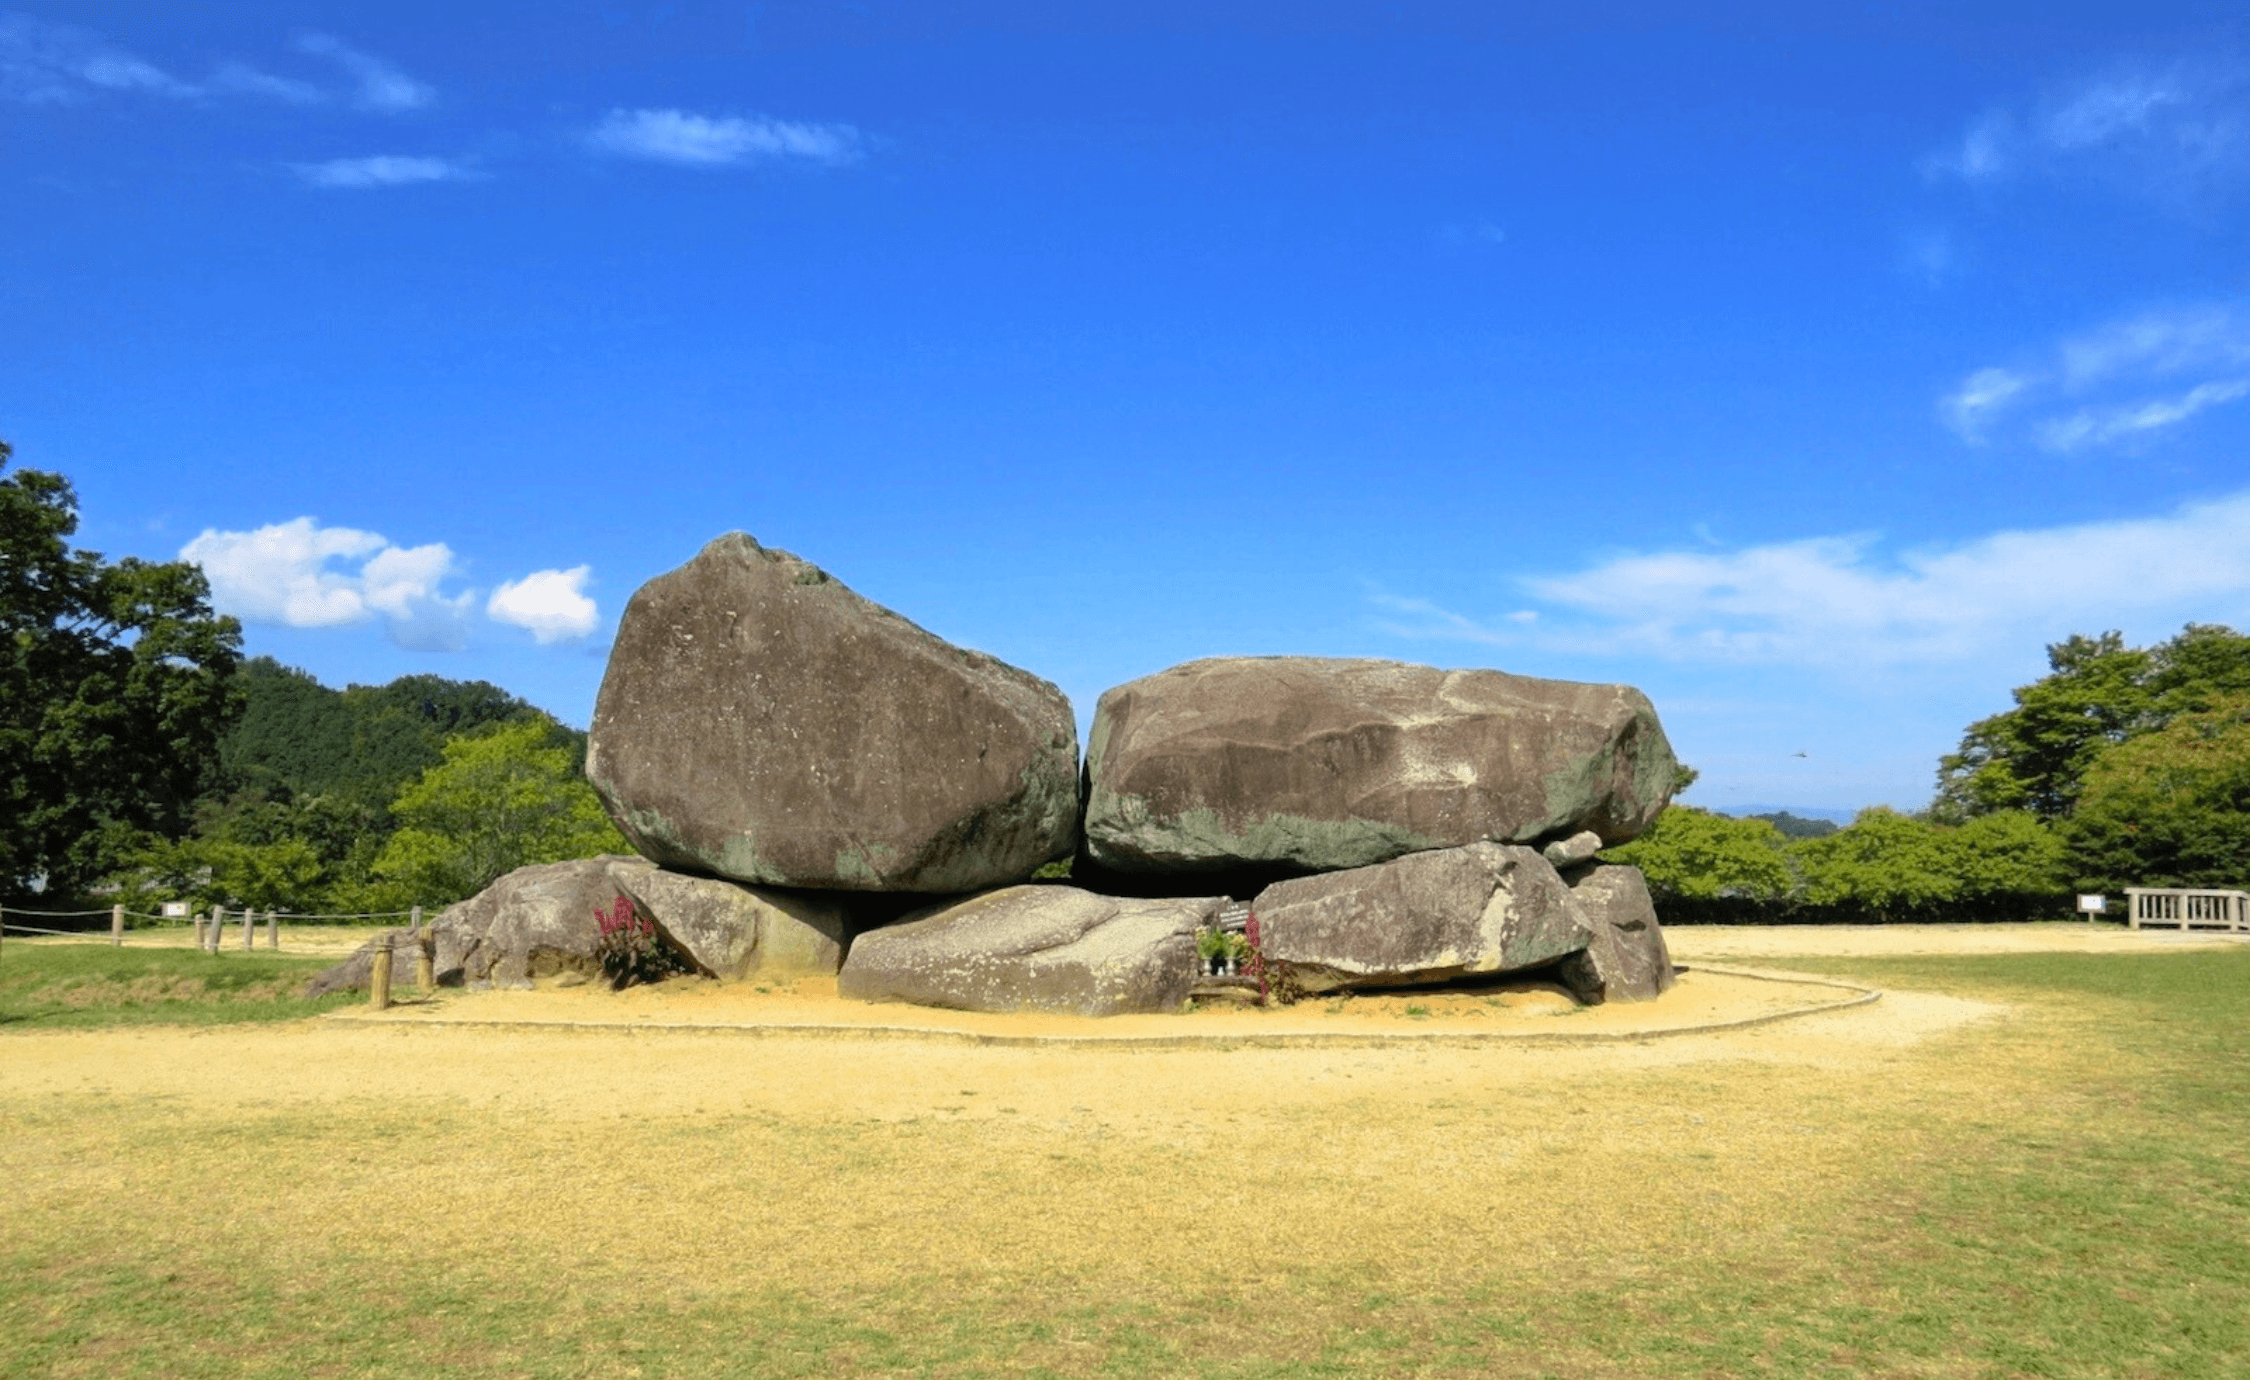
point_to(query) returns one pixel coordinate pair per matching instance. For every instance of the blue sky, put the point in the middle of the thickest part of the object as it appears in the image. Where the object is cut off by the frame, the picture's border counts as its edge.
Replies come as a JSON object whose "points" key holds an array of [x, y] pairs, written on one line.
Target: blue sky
{"points": [[1810, 367]]}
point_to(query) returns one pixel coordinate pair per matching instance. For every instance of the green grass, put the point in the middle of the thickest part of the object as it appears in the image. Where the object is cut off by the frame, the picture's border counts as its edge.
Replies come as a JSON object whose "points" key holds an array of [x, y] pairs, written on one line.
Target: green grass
{"points": [[2063, 1192], [63, 985]]}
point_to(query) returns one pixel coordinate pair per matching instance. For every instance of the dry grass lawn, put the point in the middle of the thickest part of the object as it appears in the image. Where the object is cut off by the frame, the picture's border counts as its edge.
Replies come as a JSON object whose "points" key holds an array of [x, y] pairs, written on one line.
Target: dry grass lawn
{"points": [[1831, 1195]]}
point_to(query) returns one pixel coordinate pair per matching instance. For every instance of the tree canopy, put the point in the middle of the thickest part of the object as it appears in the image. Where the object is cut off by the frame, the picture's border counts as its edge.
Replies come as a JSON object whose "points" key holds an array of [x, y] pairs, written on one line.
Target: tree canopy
{"points": [[2171, 807], [116, 684], [2098, 693], [504, 797], [298, 738]]}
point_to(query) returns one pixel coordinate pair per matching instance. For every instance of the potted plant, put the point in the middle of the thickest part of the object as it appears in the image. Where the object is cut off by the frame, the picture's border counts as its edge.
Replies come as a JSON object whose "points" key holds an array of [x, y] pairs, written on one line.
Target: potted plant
{"points": [[1212, 947]]}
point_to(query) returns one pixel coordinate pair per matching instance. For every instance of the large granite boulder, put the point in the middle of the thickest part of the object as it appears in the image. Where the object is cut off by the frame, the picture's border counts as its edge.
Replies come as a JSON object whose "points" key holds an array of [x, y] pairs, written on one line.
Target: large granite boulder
{"points": [[535, 922], [1035, 948], [1441, 916], [762, 722], [540, 921], [1306, 764], [734, 931], [1626, 959]]}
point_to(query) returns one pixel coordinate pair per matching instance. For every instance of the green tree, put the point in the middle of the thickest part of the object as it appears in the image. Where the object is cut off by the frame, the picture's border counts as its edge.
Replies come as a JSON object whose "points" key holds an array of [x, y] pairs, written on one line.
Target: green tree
{"points": [[1889, 864], [116, 684], [2099, 693], [1698, 855], [2007, 860], [2169, 808], [2033, 756], [503, 797], [1887, 867]]}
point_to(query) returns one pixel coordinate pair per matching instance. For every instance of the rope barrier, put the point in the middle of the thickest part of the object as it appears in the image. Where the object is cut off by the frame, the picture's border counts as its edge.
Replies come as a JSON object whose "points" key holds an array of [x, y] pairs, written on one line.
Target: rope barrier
{"points": [[26, 929], [144, 915]]}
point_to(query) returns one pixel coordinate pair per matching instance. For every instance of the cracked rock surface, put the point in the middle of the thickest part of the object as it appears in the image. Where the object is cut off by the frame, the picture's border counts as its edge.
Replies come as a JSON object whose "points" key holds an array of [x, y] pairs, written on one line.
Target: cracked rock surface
{"points": [[1311, 764], [1035, 948]]}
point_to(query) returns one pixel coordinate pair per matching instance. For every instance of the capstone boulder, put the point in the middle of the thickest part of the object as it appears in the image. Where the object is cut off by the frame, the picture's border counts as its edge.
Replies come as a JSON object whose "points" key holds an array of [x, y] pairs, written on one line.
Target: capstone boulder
{"points": [[1305, 764], [1434, 917], [760, 721], [1035, 948]]}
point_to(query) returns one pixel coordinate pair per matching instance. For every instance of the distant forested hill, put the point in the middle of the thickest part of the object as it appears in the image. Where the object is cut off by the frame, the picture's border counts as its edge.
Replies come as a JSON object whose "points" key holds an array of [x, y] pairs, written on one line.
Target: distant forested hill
{"points": [[363, 743]]}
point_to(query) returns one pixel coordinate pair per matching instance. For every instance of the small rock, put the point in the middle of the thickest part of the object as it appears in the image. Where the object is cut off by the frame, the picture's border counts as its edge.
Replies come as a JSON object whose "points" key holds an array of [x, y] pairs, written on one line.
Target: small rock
{"points": [[1568, 853]]}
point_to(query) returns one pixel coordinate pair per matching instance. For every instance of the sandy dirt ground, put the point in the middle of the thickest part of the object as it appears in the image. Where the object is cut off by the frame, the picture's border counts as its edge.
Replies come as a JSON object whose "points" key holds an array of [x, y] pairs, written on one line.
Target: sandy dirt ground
{"points": [[602, 1072], [798, 1050], [1702, 998]]}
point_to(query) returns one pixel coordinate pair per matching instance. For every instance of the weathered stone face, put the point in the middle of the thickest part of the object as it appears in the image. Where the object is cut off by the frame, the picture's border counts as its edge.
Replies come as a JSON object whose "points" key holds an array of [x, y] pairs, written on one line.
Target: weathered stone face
{"points": [[535, 922], [734, 931], [1627, 958], [1440, 916], [1305, 764], [1035, 948], [762, 722]]}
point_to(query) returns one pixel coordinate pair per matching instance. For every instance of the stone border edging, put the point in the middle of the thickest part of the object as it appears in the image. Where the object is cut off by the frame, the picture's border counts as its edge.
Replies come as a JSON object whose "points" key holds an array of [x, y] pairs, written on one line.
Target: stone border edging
{"points": [[1861, 996]]}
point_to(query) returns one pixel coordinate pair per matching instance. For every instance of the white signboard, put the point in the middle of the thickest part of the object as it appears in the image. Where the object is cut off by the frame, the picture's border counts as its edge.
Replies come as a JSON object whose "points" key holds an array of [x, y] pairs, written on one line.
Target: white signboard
{"points": [[175, 910], [2092, 905]]}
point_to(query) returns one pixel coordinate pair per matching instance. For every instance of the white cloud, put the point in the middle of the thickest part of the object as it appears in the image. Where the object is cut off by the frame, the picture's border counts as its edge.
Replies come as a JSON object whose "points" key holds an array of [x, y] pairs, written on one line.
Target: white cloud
{"points": [[237, 78], [381, 170], [382, 87], [675, 136], [44, 63], [2162, 343], [551, 604], [1840, 604], [1983, 151], [2121, 382], [1980, 398], [2103, 426], [2172, 130], [283, 574]]}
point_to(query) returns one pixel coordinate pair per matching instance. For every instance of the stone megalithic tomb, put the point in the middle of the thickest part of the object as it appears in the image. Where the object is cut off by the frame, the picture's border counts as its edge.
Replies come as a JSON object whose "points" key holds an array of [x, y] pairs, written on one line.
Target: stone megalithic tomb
{"points": [[817, 786]]}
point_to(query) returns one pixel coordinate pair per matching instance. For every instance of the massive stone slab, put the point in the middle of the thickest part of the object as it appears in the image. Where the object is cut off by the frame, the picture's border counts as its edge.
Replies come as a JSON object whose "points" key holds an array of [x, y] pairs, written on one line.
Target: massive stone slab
{"points": [[733, 931], [535, 922], [1626, 959], [760, 721], [540, 921], [1035, 948], [1480, 910], [1305, 764]]}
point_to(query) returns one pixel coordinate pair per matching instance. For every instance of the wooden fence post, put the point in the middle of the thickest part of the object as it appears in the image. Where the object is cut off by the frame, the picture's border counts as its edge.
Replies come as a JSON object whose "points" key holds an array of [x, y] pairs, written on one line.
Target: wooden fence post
{"points": [[198, 919], [249, 929], [379, 981], [273, 929], [116, 926]]}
